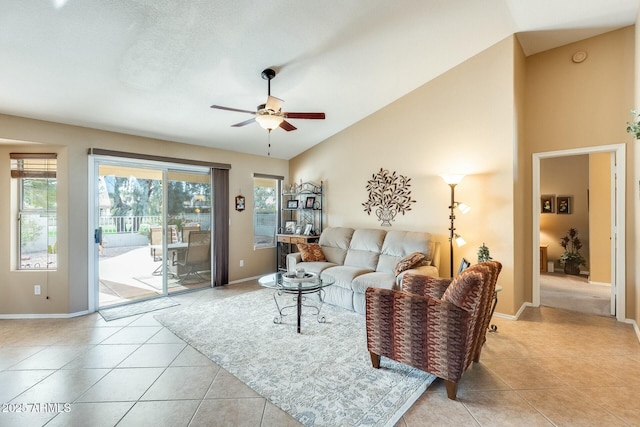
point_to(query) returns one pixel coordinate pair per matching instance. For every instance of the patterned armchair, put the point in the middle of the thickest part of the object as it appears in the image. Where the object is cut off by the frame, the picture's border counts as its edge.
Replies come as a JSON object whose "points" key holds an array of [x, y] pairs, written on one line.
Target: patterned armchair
{"points": [[436, 325]]}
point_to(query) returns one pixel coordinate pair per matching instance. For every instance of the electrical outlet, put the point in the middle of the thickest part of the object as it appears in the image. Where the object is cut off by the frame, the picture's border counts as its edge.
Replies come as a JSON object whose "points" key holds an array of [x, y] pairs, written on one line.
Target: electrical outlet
{"points": [[36, 289], [241, 263]]}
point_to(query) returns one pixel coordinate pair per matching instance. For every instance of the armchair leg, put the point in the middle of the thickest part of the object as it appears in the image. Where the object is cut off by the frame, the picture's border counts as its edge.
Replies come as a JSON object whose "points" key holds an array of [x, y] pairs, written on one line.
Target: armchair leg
{"points": [[375, 359], [451, 389]]}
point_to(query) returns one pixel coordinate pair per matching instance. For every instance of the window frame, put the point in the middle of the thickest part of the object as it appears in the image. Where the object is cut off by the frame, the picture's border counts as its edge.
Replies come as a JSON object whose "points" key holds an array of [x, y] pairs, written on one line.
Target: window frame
{"points": [[277, 190]]}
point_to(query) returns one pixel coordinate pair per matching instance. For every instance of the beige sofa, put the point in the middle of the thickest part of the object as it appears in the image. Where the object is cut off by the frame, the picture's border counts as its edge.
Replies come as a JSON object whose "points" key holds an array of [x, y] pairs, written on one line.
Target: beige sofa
{"points": [[361, 258]]}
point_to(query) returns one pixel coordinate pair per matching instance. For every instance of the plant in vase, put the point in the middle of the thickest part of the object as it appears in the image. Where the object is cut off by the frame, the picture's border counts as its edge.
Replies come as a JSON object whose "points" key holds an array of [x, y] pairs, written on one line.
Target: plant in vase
{"points": [[483, 254], [634, 127], [571, 258]]}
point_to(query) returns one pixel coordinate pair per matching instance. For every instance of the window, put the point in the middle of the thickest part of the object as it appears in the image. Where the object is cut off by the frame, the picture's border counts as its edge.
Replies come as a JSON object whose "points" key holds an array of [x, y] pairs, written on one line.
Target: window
{"points": [[265, 210], [36, 193]]}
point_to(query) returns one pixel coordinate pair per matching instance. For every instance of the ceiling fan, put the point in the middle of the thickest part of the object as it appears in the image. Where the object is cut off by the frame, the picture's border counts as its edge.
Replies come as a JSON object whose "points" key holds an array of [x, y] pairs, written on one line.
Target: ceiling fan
{"points": [[270, 114]]}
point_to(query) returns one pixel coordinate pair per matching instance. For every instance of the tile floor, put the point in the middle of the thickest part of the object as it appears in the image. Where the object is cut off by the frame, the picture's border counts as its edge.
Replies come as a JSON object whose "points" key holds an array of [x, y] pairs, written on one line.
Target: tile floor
{"points": [[551, 367]]}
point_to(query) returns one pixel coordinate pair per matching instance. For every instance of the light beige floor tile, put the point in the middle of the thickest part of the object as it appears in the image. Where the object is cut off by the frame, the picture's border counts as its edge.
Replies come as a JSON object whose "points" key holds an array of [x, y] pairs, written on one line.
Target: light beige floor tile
{"points": [[10, 356], [173, 413], [53, 357], [622, 402], [501, 408], [147, 319], [102, 414], [87, 335], [276, 417], [133, 335], [523, 373], [153, 355], [192, 357], [182, 383], [165, 336], [122, 385], [103, 356], [579, 372], [245, 412], [63, 386], [568, 407], [13, 383], [30, 418], [226, 385], [436, 409], [480, 377]]}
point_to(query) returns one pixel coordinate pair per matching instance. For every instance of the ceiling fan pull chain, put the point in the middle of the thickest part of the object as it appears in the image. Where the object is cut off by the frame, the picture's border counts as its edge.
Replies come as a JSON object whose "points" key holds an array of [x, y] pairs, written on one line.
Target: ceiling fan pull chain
{"points": [[269, 141]]}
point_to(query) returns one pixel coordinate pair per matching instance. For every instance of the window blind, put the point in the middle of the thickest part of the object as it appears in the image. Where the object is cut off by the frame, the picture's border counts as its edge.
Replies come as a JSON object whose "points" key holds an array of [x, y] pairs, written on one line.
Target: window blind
{"points": [[33, 165]]}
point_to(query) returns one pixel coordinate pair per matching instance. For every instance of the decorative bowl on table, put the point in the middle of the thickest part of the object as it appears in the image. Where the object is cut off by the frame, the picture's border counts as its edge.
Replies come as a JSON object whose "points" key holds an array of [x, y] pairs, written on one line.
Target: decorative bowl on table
{"points": [[292, 277]]}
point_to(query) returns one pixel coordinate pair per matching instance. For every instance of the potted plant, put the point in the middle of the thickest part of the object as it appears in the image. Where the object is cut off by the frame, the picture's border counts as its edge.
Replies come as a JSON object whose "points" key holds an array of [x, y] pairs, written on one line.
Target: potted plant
{"points": [[571, 257], [483, 253]]}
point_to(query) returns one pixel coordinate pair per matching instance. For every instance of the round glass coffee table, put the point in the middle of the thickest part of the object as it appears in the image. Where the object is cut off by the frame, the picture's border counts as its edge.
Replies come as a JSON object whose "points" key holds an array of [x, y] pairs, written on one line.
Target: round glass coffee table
{"points": [[299, 288]]}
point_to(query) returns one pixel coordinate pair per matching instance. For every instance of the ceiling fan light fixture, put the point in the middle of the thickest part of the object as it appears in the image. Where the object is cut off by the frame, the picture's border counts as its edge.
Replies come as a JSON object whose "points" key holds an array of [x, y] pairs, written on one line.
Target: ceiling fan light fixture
{"points": [[269, 121]]}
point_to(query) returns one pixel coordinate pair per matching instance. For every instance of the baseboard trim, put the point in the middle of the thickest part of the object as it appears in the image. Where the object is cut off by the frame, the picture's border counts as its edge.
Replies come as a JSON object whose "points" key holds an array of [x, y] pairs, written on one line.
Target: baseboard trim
{"points": [[635, 327], [245, 279], [44, 315], [514, 316]]}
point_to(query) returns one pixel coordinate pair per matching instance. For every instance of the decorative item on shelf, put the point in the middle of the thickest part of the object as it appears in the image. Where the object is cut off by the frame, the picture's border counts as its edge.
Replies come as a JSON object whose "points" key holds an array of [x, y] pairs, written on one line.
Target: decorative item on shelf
{"points": [[307, 229], [390, 193], [564, 204], [452, 181], [634, 127], [240, 203], [289, 227], [547, 203], [571, 258], [309, 202], [292, 204], [483, 253]]}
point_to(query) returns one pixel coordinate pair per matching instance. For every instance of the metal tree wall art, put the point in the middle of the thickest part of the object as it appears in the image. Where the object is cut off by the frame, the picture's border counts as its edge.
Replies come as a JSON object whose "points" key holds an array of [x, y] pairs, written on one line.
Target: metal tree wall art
{"points": [[390, 194]]}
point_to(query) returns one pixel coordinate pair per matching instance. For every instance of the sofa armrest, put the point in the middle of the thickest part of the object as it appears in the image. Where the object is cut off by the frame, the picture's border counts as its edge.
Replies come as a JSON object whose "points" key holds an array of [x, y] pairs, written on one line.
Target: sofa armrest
{"points": [[292, 260]]}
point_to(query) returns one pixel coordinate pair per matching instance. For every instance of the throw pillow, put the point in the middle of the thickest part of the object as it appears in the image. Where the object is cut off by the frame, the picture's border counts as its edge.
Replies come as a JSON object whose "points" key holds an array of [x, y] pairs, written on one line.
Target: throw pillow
{"points": [[410, 261], [311, 252], [465, 290]]}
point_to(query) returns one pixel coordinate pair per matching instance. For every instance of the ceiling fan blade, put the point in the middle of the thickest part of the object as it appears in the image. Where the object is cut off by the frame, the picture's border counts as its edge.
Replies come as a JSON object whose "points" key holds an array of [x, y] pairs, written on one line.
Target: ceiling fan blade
{"points": [[287, 126], [318, 116], [220, 107], [273, 103], [246, 122]]}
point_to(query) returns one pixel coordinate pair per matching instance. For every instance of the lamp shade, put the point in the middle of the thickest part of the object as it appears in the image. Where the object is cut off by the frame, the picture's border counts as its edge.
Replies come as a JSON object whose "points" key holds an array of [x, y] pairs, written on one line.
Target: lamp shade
{"points": [[269, 121], [452, 179], [460, 241], [463, 208]]}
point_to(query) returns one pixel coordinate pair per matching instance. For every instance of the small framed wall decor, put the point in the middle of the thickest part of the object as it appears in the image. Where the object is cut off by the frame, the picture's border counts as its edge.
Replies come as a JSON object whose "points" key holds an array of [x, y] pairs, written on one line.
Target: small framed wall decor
{"points": [[240, 203], [307, 229], [564, 204], [289, 227], [547, 203], [292, 204]]}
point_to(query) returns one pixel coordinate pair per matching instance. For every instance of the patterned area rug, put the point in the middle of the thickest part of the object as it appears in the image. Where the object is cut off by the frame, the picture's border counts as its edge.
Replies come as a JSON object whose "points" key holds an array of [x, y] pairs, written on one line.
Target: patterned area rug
{"points": [[322, 376], [114, 313]]}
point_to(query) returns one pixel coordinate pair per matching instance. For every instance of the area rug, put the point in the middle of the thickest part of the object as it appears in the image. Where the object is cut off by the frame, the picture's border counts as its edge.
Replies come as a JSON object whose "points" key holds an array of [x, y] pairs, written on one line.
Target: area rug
{"points": [[322, 376], [133, 309]]}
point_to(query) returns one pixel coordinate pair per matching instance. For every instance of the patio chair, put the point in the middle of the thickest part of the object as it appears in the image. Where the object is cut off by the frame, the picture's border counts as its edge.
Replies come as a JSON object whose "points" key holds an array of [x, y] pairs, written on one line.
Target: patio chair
{"points": [[196, 257], [188, 228]]}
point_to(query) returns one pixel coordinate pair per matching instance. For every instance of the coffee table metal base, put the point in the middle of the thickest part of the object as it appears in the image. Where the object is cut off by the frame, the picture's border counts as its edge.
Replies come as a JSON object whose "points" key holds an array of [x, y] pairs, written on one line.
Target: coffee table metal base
{"points": [[299, 296]]}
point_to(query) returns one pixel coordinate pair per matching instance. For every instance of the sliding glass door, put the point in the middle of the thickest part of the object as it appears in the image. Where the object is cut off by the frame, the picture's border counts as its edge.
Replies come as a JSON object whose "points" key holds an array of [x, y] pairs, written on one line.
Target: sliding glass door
{"points": [[152, 230]]}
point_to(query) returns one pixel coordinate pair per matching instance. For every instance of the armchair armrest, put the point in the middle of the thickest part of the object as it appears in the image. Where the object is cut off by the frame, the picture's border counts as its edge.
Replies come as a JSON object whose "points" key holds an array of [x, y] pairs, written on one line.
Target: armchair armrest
{"points": [[420, 331], [292, 260], [419, 284]]}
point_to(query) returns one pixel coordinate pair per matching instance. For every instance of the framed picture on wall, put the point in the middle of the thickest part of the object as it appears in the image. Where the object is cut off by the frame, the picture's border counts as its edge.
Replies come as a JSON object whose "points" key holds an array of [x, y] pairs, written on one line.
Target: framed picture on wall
{"points": [[564, 204], [547, 203]]}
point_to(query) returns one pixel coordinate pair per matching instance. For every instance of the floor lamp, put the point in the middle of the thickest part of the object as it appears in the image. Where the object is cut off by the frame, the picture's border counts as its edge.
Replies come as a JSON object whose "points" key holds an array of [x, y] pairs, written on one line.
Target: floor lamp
{"points": [[452, 181]]}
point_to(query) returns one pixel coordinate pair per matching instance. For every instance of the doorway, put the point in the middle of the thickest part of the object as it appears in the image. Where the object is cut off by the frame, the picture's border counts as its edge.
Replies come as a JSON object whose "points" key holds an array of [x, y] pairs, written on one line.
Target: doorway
{"points": [[617, 240], [145, 216]]}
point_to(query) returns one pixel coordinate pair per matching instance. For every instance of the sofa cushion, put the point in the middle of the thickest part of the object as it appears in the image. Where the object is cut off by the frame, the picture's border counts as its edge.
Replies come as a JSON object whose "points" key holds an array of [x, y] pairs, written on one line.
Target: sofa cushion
{"points": [[344, 274], [374, 279], [399, 244], [365, 247], [465, 290], [315, 266], [335, 242], [412, 260], [311, 252]]}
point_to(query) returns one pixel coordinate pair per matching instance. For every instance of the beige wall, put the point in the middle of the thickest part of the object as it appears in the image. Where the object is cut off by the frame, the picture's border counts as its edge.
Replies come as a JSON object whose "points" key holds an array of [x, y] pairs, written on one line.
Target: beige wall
{"points": [[565, 176], [600, 218], [67, 286], [461, 122], [571, 105]]}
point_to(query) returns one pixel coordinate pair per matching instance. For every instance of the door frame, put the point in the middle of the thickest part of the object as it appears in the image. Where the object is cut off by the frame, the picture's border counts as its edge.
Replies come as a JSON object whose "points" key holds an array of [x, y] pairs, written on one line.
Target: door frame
{"points": [[618, 205]]}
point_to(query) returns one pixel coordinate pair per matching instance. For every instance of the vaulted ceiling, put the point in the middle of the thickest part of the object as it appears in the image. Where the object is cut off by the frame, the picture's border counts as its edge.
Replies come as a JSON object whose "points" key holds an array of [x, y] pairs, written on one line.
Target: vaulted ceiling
{"points": [[153, 67]]}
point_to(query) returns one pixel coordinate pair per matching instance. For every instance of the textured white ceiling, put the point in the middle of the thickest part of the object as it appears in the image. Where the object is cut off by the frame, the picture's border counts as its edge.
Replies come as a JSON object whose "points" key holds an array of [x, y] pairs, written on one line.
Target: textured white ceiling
{"points": [[153, 67]]}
